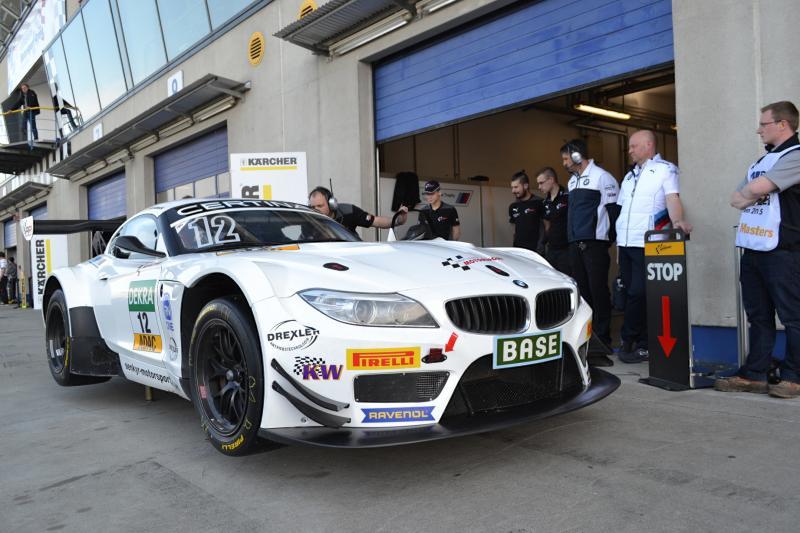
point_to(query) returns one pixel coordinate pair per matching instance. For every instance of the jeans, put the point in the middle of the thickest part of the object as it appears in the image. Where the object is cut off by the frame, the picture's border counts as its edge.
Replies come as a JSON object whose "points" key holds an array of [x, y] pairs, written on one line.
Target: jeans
{"points": [[30, 122], [3, 291], [770, 283], [560, 260], [12, 289], [590, 262], [631, 270]]}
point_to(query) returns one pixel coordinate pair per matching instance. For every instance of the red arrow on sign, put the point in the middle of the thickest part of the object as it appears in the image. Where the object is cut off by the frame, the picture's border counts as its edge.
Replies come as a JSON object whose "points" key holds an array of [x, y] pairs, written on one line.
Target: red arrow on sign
{"points": [[666, 340]]}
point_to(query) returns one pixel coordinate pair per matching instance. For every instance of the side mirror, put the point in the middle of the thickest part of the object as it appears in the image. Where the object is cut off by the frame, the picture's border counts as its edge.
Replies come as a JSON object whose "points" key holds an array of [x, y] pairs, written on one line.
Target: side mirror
{"points": [[129, 243]]}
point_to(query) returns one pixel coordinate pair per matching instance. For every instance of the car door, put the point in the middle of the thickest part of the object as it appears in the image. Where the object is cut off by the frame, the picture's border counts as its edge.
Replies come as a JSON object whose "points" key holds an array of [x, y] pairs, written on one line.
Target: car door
{"points": [[128, 310]]}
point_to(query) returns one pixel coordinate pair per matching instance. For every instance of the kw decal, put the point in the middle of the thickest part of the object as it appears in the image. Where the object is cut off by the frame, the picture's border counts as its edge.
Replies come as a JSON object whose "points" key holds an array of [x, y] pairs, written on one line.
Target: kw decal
{"points": [[316, 368]]}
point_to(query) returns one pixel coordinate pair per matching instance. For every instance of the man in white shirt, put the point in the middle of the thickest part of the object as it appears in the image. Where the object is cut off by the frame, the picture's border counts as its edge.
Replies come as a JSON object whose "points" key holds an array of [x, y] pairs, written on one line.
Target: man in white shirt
{"points": [[649, 199]]}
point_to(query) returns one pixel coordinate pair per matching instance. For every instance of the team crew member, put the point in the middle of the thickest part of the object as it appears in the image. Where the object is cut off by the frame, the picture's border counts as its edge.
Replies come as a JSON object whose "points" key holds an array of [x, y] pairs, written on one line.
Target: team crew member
{"points": [[769, 231], [442, 217], [555, 220], [348, 215], [526, 213], [648, 199], [592, 210]]}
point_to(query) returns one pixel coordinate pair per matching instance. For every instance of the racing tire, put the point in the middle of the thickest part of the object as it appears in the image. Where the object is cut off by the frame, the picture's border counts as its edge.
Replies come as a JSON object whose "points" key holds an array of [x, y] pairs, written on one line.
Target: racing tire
{"points": [[227, 377], [58, 346]]}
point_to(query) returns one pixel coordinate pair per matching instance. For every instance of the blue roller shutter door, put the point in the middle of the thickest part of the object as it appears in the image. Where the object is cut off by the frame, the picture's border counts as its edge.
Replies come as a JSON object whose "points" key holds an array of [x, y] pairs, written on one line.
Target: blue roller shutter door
{"points": [[541, 49], [200, 158], [107, 198], [10, 234], [39, 213]]}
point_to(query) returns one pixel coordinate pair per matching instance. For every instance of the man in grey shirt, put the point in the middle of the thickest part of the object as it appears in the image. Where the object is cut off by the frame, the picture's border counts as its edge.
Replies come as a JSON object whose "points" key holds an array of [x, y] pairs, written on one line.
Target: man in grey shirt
{"points": [[769, 232]]}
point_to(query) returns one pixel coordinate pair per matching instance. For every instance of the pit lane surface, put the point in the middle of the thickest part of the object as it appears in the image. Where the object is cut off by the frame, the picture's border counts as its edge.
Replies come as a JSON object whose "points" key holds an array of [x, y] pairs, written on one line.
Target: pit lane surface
{"points": [[101, 458]]}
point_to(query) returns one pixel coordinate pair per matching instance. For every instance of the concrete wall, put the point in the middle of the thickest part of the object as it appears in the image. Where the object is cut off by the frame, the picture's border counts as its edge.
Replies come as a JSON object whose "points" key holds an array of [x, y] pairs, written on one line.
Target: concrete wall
{"points": [[731, 58]]}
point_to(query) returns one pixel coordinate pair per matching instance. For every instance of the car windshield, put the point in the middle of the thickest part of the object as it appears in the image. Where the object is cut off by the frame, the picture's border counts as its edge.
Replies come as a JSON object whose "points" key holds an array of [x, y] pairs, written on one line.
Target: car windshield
{"points": [[252, 227]]}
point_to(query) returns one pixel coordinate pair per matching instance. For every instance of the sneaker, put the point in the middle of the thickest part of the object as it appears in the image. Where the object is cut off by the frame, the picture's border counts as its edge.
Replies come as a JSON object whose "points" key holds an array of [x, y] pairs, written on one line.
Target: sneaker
{"points": [[785, 389], [625, 347], [599, 360], [639, 355], [740, 384]]}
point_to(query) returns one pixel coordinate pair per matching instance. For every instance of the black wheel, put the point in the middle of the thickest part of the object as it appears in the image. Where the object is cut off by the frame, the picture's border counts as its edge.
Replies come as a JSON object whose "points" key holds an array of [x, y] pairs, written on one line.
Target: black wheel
{"points": [[57, 346], [228, 377]]}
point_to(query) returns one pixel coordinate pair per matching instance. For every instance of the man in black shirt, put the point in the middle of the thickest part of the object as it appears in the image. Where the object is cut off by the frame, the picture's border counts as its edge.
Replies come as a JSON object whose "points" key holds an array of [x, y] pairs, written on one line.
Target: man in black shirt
{"points": [[30, 102], [555, 220], [348, 215], [442, 217], [526, 213]]}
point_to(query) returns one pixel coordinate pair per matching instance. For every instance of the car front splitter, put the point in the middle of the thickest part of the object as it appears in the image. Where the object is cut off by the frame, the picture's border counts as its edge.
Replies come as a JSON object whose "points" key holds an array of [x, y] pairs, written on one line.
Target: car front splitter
{"points": [[602, 385]]}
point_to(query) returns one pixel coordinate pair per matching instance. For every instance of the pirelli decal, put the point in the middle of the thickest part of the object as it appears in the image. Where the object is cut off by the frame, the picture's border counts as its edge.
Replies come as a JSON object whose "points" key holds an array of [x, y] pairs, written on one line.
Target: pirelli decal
{"points": [[146, 342], [664, 248], [382, 358]]}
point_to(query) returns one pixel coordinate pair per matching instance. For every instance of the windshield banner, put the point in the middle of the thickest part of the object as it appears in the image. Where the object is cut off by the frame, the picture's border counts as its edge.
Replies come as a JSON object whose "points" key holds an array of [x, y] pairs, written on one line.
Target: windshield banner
{"points": [[270, 176]]}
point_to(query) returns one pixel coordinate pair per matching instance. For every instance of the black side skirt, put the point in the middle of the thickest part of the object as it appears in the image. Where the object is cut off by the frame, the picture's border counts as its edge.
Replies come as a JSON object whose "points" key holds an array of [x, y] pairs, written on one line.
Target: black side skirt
{"points": [[89, 353]]}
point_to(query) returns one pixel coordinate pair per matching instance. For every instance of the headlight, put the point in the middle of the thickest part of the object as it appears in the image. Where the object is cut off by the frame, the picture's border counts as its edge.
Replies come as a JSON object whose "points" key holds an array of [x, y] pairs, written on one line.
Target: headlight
{"points": [[369, 309]]}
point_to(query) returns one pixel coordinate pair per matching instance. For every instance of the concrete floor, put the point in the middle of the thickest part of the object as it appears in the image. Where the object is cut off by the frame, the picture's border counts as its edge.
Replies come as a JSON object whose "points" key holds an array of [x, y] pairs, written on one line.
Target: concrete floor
{"points": [[100, 458]]}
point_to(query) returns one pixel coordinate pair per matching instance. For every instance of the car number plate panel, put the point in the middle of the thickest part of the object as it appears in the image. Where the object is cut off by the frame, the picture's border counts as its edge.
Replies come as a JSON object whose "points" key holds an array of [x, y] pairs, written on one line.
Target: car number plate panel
{"points": [[523, 350]]}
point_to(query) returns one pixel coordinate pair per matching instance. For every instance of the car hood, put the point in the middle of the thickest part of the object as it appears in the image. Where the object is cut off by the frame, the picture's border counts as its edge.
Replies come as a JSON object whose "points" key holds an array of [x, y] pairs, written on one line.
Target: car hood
{"points": [[395, 267]]}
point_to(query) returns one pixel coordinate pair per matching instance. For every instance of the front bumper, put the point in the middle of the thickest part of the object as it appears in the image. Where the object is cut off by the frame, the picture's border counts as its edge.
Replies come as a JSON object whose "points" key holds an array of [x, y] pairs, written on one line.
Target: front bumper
{"points": [[602, 384]]}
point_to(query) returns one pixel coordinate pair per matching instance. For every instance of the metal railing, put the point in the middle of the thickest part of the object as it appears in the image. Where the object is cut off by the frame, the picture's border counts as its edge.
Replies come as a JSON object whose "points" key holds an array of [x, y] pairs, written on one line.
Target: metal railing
{"points": [[51, 127]]}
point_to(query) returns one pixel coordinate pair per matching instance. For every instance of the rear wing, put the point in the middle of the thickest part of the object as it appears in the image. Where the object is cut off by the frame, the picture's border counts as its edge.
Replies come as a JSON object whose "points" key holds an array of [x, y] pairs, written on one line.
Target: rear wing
{"points": [[101, 230]]}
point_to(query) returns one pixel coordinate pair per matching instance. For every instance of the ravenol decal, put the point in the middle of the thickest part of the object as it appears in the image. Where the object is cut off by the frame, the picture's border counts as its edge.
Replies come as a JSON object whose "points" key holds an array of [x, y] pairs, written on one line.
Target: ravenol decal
{"points": [[382, 358], [141, 296], [146, 343], [398, 414]]}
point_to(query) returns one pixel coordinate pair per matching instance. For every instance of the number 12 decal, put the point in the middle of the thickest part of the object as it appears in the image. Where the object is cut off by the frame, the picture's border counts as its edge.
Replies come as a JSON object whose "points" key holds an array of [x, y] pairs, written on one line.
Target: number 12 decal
{"points": [[218, 229]]}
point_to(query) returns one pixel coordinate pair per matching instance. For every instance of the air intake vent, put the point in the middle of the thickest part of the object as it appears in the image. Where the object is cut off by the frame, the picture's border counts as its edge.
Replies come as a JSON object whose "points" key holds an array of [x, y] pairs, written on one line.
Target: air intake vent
{"points": [[495, 314], [411, 387], [553, 308], [255, 48], [306, 8]]}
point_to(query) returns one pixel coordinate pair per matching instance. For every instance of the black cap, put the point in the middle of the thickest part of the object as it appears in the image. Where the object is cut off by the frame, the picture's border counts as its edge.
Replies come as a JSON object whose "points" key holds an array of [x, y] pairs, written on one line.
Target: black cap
{"points": [[431, 186]]}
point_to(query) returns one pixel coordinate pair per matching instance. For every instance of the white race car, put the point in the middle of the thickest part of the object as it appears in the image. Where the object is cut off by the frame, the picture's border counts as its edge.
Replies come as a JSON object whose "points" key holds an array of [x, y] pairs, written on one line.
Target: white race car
{"points": [[280, 324]]}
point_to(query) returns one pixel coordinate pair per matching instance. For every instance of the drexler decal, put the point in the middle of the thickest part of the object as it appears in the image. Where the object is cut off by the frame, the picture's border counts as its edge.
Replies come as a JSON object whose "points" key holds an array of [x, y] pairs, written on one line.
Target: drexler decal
{"points": [[464, 263], [382, 358], [398, 414], [291, 335], [316, 368]]}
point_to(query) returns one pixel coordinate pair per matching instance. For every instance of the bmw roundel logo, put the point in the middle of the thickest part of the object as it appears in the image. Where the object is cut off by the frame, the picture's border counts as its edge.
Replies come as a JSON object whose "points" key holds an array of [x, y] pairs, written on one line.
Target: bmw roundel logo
{"points": [[520, 283]]}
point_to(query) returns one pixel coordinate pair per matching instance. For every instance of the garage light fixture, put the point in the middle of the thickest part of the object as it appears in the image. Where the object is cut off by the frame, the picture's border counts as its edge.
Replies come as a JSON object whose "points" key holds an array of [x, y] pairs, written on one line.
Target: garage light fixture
{"points": [[435, 5], [214, 109], [610, 113], [370, 34]]}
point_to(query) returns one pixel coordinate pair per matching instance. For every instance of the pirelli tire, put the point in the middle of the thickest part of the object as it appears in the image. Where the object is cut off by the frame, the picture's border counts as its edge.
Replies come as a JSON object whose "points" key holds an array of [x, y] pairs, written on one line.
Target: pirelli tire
{"points": [[227, 376], [58, 346]]}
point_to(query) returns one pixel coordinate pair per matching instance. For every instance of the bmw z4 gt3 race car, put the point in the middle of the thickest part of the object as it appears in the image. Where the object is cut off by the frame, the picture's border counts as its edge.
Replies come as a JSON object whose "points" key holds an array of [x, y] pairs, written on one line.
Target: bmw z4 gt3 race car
{"points": [[280, 324]]}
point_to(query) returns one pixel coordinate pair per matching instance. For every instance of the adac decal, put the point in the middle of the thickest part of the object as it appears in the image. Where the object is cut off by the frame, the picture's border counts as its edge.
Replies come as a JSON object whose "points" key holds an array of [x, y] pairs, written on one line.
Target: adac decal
{"points": [[398, 414], [316, 368], [146, 343], [464, 263], [382, 358], [291, 335]]}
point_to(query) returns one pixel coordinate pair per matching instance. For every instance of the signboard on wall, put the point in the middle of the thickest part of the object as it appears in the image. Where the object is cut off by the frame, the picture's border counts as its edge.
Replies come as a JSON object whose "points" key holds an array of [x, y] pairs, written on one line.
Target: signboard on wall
{"points": [[43, 22], [48, 252], [270, 176]]}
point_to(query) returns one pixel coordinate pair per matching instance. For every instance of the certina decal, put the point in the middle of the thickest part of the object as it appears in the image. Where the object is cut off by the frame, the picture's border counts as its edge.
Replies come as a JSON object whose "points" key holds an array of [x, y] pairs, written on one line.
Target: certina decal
{"points": [[382, 358], [398, 414], [316, 368], [141, 296], [463, 263], [193, 209], [291, 335]]}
